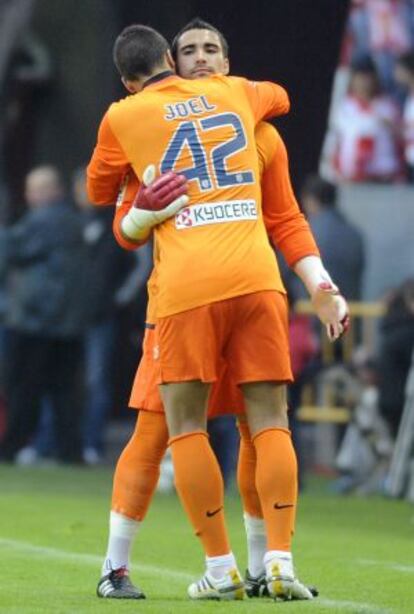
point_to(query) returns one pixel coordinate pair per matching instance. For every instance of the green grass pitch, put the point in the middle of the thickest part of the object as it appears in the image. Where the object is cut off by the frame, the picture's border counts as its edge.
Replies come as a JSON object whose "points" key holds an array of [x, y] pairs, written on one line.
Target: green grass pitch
{"points": [[53, 528]]}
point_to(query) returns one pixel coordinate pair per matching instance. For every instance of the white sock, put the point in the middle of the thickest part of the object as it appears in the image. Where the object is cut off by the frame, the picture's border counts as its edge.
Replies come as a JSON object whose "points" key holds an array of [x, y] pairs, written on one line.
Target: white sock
{"points": [[219, 565], [122, 531], [285, 561], [277, 554], [256, 544]]}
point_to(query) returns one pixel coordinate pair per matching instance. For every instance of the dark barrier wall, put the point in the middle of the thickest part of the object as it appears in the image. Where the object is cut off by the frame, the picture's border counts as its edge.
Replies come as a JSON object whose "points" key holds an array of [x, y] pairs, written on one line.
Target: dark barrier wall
{"points": [[295, 42], [79, 36]]}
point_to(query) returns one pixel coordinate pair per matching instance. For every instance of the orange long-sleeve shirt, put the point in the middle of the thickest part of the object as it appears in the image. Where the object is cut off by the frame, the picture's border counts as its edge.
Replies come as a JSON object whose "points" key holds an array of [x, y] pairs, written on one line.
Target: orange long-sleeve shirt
{"points": [[285, 223], [217, 247]]}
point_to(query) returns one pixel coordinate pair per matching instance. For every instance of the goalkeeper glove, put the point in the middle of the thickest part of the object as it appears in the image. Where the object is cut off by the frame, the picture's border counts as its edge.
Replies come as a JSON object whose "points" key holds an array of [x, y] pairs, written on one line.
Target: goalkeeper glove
{"points": [[156, 201]]}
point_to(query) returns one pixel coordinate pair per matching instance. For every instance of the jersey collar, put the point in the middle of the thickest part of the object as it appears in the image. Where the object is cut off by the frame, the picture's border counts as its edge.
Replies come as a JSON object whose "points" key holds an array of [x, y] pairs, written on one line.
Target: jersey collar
{"points": [[159, 77]]}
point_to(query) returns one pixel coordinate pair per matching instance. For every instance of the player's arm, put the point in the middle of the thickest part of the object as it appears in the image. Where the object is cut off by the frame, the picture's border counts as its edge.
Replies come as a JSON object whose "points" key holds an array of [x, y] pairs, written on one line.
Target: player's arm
{"points": [[266, 99], [127, 193], [156, 200], [107, 167], [291, 234], [285, 223]]}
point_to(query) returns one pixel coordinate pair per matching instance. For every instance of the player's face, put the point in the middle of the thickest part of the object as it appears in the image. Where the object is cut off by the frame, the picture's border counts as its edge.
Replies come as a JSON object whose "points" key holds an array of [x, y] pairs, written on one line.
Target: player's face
{"points": [[200, 54]]}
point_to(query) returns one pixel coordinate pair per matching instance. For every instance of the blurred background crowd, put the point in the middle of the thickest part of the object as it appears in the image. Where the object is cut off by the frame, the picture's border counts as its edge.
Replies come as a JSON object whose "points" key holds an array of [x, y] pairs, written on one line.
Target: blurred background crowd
{"points": [[72, 303]]}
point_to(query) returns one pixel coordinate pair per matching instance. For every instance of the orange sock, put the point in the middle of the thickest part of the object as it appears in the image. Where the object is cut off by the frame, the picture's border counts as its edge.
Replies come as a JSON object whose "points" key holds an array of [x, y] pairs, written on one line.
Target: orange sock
{"points": [[246, 473], [276, 480], [200, 486], [138, 468]]}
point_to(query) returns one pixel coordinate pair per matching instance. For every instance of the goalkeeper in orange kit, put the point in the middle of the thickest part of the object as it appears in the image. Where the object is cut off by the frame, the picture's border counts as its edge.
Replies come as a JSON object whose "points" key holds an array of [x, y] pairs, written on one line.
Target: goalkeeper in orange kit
{"points": [[136, 474]]}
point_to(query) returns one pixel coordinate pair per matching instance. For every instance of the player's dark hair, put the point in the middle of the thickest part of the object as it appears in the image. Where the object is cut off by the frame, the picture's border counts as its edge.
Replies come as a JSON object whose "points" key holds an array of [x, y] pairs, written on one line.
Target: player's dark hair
{"points": [[407, 61], [199, 24], [138, 50], [323, 191]]}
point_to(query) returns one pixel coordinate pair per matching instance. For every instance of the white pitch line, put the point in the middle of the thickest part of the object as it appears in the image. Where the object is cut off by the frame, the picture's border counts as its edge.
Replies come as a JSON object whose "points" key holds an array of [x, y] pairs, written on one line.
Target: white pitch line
{"points": [[88, 559], [388, 565], [352, 606], [95, 560]]}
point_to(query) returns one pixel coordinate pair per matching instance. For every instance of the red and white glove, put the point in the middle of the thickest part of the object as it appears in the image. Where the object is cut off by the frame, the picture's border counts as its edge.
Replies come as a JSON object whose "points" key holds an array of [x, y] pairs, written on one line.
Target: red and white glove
{"points": [[156, 201], [331, 308]]}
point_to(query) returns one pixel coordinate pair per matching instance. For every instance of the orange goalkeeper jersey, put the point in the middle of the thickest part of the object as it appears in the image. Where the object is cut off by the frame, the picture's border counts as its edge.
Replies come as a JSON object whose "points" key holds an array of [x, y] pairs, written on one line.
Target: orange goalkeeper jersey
{"points": [[284, 222], [217, 247]]}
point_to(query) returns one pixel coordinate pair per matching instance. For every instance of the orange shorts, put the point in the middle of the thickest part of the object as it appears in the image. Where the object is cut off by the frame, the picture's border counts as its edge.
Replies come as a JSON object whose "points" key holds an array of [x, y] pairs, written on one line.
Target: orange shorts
{"points": [[225, 396], [145, 394], [249, 333]]}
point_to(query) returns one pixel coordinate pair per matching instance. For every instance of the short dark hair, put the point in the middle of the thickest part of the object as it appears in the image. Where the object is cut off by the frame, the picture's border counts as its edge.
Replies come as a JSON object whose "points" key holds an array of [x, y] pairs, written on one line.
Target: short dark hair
{"points": [[198, 24], [407, 61], [323, 191], [138, 50]]}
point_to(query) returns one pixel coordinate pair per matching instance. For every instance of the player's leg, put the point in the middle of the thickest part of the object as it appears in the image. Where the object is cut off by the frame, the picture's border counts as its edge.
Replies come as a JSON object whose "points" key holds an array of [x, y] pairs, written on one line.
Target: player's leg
{"points": [[276, 480], [259, 347], [255, 577], [198, 482], [134, 484], [200, 486], [276, 467], [135, 480], [184, 356], [226, 399], [137, 472]]}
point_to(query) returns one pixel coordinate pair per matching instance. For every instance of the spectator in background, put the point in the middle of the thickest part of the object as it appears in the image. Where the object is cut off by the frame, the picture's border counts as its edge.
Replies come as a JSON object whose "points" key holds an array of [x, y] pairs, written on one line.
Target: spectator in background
{"points": [[396, 348], [366, 448], [109, 281], [404, 74], [383, 29], [42, 255], [365, 131], [106, 271], [340, 243], [14, 19]]}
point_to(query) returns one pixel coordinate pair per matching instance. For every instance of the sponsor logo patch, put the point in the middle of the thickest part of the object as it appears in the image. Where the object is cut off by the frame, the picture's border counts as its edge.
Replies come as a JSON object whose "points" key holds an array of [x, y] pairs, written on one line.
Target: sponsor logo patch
{"points": [[216, 213]]}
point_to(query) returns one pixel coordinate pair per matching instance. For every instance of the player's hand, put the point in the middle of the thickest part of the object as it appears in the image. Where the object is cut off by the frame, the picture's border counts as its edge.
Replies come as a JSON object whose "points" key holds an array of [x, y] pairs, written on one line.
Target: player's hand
{"points": [[332, 309], [157, 200], [167, 190]]}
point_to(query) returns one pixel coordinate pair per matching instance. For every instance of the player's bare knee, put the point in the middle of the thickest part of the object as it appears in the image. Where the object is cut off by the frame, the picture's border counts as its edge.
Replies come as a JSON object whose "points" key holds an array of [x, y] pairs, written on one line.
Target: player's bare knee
{"points": [[185, 406], [258, 422], [266, 405]]}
